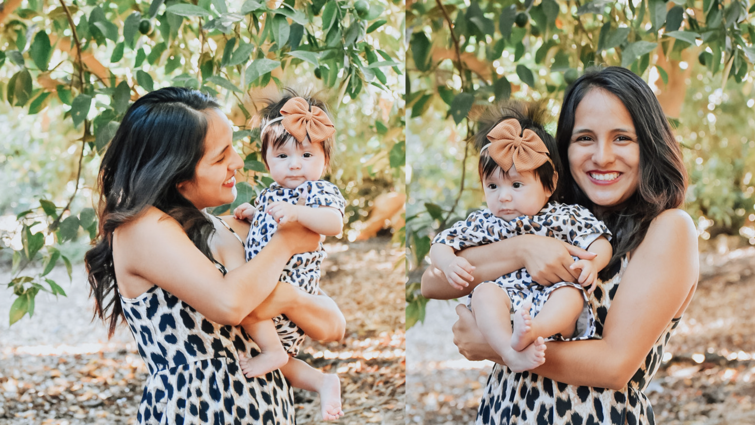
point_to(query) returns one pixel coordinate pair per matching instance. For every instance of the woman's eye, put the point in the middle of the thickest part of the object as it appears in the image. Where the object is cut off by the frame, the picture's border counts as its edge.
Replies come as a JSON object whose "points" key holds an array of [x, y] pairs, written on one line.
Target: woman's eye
{"points": [[583, 139], [623, 138], [222, 158]]}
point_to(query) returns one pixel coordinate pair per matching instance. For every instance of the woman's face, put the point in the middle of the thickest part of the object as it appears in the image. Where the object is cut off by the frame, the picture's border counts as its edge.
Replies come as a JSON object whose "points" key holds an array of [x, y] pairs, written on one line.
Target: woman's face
{"points": [[214, 183], [604, 154]]}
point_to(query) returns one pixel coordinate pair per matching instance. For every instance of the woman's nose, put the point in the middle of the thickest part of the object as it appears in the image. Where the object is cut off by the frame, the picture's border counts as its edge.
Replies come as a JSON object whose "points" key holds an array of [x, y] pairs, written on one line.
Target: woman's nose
{"points": [[236, 162], [603, 154]]}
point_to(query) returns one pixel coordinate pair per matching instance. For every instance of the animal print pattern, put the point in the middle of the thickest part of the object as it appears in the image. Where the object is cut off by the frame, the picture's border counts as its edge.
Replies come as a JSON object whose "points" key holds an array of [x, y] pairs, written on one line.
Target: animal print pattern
{"points": [[194, 373], [302, 270], [528, 398], [571, 223]]}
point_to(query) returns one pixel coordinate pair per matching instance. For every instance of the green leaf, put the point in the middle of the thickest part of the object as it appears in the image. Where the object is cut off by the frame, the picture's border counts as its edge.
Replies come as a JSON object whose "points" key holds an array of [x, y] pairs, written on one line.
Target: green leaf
{"points": [[295, 15], [222, 82], [32, 243], [596, 7], [80, 108], [2, 59], [238, 135], [86, 217], [228, 52], [421, 247], [374, 13], [69, 267], [131, 29], [56, 289], [258, 68], [244, 193], [241, 55], [186, 80], [187, 10], [635, 50], [156, 53], [220, 6], [121, 97], [104, 135], [19, 308], [64, 94], [421, 49], [688, 36], [674, 18], [614, 38], [16, 57], [50, 262], [41, 50], [502, 89], [39, 103], [657, 12], [68, 228], [252, 164], [420, 105], [397, 155], [49, 208], [117, 53], [154, 7], [311, 57], [550, 9], [145, 80], [251, 6], [140, 56], [662, 73], [280, 30], [436, 212], [329, 15], [375, 25], [461, 105], [22, 87], [525, 75]]}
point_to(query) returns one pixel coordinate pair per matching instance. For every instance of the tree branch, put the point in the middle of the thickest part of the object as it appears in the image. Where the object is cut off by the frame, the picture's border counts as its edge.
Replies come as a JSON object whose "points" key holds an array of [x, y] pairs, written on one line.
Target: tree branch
{"points": [[459, 65]]}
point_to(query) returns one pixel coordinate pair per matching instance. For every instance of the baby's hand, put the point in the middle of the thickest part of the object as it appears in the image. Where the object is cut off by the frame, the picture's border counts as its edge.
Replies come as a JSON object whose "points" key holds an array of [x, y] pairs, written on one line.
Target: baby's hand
{"points": [[283, 212], [244, 211], [459, 272], [589, 275]]}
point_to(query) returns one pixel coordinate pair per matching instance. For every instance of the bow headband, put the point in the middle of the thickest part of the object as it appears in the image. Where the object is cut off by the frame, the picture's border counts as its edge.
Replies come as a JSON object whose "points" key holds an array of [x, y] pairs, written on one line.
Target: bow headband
{"points": [[510, 146], [300, 122]]}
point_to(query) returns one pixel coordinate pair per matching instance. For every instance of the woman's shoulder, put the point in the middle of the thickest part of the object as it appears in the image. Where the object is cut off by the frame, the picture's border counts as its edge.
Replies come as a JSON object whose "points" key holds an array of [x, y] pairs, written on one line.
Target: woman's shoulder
{"points": [[150, 222], [673, 221]]}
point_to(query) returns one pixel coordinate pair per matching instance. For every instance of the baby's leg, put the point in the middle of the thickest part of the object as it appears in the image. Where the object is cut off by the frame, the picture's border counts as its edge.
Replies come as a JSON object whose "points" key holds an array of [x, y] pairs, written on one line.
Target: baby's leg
{"points": [[558, 315], [491, 306], [301, 375], [272, 355]]}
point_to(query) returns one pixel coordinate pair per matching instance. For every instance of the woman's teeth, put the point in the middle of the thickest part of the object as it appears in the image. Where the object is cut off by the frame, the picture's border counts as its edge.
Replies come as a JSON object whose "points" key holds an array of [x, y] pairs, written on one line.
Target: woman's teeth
{"points": [[229, 181], [605, 177]]}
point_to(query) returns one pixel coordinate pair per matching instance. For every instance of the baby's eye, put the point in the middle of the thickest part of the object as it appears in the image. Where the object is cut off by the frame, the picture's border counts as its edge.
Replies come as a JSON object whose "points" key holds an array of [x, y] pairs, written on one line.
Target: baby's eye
{"points": [[517, 185], [492, 186], [307, 155], [282, 155]]}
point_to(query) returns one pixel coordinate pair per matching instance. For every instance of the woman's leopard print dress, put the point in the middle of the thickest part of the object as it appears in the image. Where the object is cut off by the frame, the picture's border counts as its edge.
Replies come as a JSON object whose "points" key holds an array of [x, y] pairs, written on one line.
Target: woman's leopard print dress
{"points": [[527, 398], [194, 374]]}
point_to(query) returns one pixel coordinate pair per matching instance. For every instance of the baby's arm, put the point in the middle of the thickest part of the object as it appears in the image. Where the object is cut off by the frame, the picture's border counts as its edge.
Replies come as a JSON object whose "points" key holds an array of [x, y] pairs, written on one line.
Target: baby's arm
{"points": [[590, 268], [458, 271], [323, 220]]}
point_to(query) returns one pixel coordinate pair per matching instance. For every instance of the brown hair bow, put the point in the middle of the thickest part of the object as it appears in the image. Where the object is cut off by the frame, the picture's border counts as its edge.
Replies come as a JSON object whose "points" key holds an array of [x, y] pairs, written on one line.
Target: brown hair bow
{"points": [[509, 146], [299, 121]]}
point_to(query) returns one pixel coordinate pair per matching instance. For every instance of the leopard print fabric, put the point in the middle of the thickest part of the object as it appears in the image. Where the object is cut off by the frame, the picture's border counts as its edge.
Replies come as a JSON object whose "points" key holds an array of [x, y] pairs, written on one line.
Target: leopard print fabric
{"points": [[194, 374], [571, 223], [527, 398], [302, 270]]}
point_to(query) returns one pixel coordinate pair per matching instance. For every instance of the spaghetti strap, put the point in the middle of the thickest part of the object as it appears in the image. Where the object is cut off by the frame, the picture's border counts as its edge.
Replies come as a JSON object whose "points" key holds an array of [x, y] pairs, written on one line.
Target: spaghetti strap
{"points": [[232, 231]]}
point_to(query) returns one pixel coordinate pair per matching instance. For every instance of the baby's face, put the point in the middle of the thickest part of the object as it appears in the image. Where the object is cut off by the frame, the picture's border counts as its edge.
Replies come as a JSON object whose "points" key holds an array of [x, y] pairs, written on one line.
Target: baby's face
{"points": [[514, 194], [293, 164]]}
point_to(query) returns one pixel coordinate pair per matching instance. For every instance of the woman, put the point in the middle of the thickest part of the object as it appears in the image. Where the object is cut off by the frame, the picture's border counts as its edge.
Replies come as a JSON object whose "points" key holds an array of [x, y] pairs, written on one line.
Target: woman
{"points": [[157, 264], [621, 162]]}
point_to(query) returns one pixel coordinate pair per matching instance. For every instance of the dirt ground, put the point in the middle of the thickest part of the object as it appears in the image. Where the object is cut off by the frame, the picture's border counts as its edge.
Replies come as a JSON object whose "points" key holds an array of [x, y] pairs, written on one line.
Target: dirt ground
{"points": [[707, 378], [59, 368]]}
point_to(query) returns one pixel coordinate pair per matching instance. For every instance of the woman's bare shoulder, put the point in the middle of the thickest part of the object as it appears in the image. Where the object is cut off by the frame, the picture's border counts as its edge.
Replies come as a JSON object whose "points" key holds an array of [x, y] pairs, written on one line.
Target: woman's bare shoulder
{"points": [[673, 223], [149, 224]]}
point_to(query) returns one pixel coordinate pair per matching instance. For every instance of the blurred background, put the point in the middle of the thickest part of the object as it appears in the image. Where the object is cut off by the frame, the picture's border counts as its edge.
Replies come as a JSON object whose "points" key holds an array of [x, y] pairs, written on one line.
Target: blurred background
{"points": [[697, 56], [69, 69]]}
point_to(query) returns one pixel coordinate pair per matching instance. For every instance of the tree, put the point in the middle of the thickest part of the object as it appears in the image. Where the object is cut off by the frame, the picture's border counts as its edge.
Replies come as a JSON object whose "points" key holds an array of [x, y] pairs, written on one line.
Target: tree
{"points": [[80, 64], [466, 57]]}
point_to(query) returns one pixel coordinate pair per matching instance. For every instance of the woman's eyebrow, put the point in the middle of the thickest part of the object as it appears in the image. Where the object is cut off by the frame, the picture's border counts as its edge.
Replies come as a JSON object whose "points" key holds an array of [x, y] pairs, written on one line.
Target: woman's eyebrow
{"points": [[222, 152]]}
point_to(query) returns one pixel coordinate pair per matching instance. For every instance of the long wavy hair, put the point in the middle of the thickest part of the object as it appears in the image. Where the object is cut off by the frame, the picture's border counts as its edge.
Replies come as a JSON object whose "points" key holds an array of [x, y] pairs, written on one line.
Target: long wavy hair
{"points": [[157, 146], [663, 178], [532, 116]]}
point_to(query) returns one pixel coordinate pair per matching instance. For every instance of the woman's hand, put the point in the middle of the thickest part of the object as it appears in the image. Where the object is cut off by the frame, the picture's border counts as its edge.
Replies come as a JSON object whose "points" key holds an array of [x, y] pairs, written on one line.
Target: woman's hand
{"points": [[469, 340], [297, 238], [548, 260]]}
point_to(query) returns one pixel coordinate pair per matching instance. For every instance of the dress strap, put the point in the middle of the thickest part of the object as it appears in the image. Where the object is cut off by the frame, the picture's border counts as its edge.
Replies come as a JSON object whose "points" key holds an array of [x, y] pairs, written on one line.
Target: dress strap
{"points": [[232, 231]]}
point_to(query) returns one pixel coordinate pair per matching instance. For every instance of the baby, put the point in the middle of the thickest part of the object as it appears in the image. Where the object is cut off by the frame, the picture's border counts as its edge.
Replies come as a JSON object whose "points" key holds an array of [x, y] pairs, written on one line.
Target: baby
{"points": [[519, 173], [297, 137]]}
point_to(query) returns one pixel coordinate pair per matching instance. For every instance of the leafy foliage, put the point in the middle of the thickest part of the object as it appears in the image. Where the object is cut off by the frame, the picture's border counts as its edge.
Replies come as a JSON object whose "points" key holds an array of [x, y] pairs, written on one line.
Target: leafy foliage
{"points": [[79, 64], [466, 56]]}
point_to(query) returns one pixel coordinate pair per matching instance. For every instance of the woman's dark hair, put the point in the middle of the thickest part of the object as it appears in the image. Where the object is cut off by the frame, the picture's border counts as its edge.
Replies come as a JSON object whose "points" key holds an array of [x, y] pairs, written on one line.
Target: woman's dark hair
{"points": [[531, 115], [663, 178], [277, 136], [157, 146]]}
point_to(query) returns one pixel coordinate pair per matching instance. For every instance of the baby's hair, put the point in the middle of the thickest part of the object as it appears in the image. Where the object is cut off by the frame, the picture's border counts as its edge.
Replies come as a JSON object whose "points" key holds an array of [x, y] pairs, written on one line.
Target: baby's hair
{"points": [[275, 135], [531, 115]]}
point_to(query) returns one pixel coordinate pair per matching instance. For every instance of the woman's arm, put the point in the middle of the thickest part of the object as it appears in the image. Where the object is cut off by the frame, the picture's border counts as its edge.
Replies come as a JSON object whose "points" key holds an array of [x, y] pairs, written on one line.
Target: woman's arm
{"points": [[546, 259], [656, 286], [155, 248]]}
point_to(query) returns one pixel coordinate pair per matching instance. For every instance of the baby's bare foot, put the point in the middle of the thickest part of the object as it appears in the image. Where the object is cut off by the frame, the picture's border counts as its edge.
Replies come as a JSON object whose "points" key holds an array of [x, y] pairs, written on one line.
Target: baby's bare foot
{"points": [[262, 363], [522, 334], [529, 358], [330, 397]]}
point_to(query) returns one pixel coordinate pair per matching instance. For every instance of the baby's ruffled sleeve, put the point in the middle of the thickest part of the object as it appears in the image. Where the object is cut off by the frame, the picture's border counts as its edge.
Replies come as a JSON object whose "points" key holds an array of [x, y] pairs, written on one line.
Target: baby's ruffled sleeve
{"points": [[585, 227], [474, 231], [323, 194]]}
